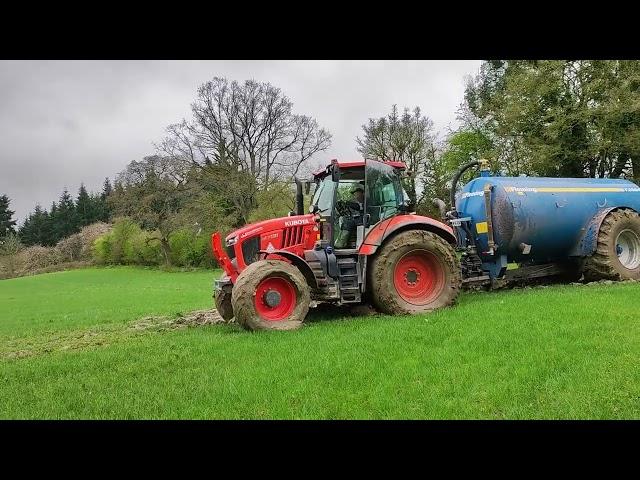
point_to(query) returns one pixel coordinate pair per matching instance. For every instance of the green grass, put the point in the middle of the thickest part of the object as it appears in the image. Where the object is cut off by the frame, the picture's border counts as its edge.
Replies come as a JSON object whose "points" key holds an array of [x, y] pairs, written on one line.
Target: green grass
{"points": [[553, 352], [98, 296]]}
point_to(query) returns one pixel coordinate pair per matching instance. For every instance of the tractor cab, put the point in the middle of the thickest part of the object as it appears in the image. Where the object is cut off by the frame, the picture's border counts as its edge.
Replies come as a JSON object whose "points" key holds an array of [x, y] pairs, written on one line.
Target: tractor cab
{"points": [[352, 197]]}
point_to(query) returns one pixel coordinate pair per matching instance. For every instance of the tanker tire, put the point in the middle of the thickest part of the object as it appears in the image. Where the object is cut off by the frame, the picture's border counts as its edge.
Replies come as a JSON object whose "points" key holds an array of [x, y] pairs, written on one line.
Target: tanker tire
{"points": [[384, 295], [244, 292], [604, 263], [223, 302]]}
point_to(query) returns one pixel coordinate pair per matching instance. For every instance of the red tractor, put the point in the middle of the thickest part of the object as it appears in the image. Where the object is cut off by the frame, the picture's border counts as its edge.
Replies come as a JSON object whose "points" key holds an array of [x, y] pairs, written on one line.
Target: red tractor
{"points": [[359, 243]]}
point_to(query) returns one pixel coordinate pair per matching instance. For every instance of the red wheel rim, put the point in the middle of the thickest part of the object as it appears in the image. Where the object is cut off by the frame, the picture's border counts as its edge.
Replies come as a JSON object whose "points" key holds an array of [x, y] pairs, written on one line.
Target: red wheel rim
{"points": [[419, 277], [275, 299]]}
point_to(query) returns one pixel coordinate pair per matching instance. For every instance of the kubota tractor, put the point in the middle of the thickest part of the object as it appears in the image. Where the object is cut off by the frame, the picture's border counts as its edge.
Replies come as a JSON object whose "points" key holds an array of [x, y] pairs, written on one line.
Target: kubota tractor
{"points": [[359, 243]]}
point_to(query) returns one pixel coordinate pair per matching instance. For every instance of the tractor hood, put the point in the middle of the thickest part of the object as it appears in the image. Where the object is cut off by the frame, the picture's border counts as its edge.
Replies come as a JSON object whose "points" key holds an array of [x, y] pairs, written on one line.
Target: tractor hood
{"points": [[267, 226]]}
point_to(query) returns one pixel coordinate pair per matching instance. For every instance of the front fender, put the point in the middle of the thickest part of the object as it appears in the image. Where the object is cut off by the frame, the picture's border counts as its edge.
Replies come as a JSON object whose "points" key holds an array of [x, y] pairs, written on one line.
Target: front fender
{"points": [[381, 232], [299, 262]]}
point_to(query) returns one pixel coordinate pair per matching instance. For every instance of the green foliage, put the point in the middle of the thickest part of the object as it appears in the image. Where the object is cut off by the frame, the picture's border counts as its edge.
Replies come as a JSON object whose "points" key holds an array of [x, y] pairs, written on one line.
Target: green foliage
{"points": [[275, 202], [117, 246], [575, 118], [189, 249], [102, 250], [128, 244]]}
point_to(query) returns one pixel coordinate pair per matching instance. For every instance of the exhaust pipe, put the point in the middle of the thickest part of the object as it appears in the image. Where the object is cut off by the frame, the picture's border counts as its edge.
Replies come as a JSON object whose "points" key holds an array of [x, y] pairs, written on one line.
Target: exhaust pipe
{"points": [[299, 197], [442, 207]]}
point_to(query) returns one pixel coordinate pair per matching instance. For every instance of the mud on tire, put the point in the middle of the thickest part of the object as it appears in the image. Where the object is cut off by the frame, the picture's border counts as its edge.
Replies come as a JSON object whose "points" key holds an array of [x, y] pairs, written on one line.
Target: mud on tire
{"points": [[618, 227], [416, 271], [249, 305], [223, 302]]}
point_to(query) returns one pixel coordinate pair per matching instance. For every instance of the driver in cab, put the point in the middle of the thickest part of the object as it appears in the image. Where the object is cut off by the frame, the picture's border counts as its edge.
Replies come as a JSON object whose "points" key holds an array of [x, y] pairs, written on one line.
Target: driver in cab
{"points": [[352, 218]]}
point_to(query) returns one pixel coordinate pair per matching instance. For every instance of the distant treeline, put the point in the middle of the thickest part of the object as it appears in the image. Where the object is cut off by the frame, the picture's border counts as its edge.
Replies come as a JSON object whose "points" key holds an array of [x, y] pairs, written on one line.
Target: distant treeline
{"points": [[65, 217]]}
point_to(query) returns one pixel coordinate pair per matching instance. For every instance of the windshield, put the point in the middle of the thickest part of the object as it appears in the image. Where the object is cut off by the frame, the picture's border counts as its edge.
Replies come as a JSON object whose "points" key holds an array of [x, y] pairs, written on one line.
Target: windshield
{"points": [[323, 196]]}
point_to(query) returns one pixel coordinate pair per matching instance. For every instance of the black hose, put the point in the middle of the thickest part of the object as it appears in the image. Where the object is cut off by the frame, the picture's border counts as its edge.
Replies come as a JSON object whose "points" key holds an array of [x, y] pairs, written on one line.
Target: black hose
{"points": [[456, 177]]}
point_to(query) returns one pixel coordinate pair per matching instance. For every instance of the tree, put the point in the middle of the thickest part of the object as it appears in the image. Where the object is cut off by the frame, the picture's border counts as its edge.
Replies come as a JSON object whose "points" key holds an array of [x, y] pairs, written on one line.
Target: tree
{"points": [[7, 224], [103, 210], [85, 208], [407, 138], [64, 218], [243, 137], [153, 192], [34, 229], [561, 117]]}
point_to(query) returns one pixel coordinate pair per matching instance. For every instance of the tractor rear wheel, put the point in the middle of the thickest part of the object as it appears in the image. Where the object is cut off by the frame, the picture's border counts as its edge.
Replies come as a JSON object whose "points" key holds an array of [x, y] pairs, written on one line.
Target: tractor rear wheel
{"points": [[416, 271], [270, 295], [223, 302], [617, 255]]}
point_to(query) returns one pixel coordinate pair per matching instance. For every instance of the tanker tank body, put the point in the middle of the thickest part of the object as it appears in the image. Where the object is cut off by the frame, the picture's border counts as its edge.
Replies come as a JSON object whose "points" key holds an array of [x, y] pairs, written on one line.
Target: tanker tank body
{"points": [[538, 220]]}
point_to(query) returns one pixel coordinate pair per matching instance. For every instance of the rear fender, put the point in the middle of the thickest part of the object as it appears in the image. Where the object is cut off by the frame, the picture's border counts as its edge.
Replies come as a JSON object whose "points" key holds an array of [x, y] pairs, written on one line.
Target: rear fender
{"points": [[588, 241], [299, 262], [394, 225]]}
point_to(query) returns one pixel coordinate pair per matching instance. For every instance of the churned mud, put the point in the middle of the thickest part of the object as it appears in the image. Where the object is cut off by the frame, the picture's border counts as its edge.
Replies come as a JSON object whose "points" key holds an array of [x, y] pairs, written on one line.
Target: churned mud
{"points": [[45, 343]]}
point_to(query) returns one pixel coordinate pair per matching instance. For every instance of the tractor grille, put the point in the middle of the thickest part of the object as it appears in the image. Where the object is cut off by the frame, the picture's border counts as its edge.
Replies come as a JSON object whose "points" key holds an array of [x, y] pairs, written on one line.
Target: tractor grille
{"points": [[292, 236]]}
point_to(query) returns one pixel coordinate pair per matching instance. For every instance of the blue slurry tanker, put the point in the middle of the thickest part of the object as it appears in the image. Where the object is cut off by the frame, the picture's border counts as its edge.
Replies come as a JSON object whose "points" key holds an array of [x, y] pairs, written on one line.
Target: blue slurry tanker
{"points": [[549, 226]]}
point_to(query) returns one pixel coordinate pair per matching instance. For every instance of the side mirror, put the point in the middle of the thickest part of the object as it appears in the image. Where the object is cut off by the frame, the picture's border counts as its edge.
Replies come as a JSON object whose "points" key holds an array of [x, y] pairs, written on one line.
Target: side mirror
{"points": [[307, 187], [366, 220]]}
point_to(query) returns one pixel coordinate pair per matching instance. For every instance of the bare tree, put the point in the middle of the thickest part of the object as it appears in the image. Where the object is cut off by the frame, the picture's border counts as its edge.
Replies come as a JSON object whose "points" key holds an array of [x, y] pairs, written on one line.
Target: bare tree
{"points": [[407, 138], [244, 137]]}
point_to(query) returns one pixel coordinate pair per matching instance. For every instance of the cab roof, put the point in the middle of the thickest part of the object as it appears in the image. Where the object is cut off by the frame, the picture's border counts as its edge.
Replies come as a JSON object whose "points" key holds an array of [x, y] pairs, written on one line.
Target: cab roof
{"points": [[356, 164]]}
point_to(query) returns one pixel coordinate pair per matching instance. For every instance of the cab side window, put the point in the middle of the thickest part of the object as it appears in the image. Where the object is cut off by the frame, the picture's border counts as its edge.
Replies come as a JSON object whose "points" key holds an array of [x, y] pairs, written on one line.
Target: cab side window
{"points": [[384, 192]]}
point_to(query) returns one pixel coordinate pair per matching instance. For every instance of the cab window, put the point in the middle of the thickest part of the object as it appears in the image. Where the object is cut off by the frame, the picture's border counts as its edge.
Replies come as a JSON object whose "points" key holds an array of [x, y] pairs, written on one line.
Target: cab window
{"points": [[383, 191]]}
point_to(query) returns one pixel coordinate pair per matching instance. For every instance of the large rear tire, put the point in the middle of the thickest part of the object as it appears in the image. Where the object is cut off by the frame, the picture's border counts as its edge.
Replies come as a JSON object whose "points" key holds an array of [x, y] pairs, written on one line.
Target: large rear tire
{"points": [[416, 271], [270, 295], [617, 255]]}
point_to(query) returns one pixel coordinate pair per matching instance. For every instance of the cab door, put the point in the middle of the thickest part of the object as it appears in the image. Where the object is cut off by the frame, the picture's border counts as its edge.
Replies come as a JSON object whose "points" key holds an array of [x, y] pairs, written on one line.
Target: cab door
{"points": [[383, 193]]}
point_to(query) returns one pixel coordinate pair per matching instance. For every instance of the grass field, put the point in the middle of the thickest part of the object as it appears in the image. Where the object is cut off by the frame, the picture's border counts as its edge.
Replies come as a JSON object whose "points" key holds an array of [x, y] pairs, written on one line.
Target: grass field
{"points": [[68, 350]]}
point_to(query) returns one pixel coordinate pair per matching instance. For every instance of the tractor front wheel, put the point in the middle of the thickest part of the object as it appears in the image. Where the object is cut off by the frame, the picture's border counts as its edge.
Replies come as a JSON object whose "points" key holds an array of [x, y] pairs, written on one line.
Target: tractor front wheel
{"points": [[270, 295], [416, 271]]}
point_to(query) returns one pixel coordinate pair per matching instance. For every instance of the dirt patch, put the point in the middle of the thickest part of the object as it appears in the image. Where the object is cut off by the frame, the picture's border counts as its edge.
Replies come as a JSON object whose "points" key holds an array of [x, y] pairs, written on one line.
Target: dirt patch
{"points": [[16, 348], [197, 318]]}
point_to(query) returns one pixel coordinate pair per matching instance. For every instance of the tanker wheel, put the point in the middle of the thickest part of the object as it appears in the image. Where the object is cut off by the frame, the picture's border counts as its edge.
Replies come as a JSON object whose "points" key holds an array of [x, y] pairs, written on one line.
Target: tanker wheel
{"points": [[416, 271], [223, 302], [270, 295], [617, 255]]}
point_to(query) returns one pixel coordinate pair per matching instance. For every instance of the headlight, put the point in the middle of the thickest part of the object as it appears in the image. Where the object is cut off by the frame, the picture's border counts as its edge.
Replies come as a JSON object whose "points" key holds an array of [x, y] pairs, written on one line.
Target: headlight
{"points": [[232, 241]]}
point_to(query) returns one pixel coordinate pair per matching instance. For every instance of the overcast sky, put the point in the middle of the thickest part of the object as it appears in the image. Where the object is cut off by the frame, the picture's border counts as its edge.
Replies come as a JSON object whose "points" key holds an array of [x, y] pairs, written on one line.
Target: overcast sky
{"points": [[66, 122]]}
